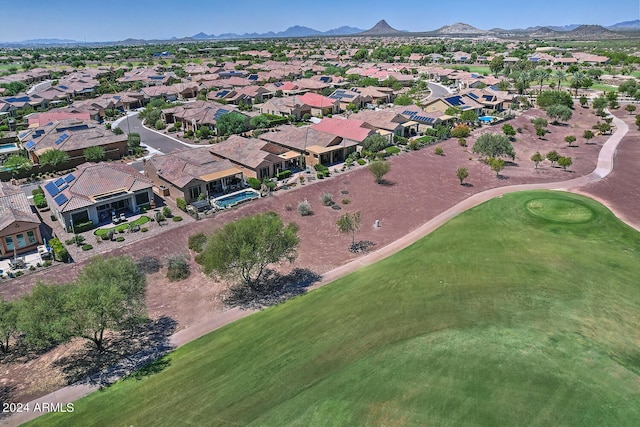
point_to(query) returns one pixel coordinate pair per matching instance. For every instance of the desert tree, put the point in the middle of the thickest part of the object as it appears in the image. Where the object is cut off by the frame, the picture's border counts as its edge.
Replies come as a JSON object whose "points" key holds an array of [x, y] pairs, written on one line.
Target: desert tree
{"points": [[349, 223], [588, 135], [564, 162], [379, 168], [8, 323], [462, 174], [494, 145], [245, 247], [537, 158], [570, 139], [552, 156], [497, 165]]}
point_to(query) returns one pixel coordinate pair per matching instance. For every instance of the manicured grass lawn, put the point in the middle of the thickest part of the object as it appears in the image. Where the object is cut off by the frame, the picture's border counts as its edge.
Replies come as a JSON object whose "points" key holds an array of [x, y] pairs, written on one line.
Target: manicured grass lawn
{"points": [[600, 86], [522, 311], [480, 69], [102, 231]]}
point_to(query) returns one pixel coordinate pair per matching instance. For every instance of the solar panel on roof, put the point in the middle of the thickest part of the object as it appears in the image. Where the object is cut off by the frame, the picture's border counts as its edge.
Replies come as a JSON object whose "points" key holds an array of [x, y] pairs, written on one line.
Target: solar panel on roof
{"points": [[29, 145], [69, 178], [253, 77], [219, 113], [278, 84], [21, 99], [51, 189], [60, 199], [23, 134], [488, 97], [63, 87], [473, 95], [58, 182]]}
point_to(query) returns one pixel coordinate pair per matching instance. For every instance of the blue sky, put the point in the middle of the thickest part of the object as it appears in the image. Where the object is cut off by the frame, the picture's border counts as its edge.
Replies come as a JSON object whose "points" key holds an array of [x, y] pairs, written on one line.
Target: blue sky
{"points": [[95, 20]]}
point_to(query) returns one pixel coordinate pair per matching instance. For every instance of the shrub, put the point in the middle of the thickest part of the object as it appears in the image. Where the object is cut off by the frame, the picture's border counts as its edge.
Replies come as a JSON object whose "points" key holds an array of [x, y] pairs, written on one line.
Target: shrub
{"points": [[144, 229], [83, 226], [320, 175], [40, 201], [362, 162], [346, 201], [283, 175], [177, 268], [304, 208], [32, 268], [327, 199], [254, 183], [439, 151], [105, 236], [460, 131], [47, 263], [462, 142], [77, 239], [197, 242], [269, 184], [336, 207], [60, 253], [37, 190], [177, 218], [87, 247], [120, 239], [414, 145], [166, 211], [322, 168], [182, 204], [159, 124], [148, 265]]}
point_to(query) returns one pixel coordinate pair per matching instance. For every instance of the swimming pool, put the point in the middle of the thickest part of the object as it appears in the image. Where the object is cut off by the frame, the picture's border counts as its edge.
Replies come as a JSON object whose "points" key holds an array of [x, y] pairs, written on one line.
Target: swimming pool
{"points": [[486, 119], [235, 198], [8, 148]]}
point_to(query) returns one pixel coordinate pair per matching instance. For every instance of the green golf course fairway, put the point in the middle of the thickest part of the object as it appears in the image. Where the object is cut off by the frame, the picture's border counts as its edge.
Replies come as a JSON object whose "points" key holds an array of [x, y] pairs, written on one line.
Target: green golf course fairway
{"points": [[500, 317]]}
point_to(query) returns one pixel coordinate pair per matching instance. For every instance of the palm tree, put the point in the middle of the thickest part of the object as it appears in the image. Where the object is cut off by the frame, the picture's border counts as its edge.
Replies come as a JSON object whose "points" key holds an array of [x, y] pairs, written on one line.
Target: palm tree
{"points": [[560, 76], [522, 80], [542, 75], [577, 80]]}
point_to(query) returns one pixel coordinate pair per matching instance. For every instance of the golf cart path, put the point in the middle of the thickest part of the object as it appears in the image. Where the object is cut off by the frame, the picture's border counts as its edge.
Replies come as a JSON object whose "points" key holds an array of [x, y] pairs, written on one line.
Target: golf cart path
{"points": [[604, 167]]}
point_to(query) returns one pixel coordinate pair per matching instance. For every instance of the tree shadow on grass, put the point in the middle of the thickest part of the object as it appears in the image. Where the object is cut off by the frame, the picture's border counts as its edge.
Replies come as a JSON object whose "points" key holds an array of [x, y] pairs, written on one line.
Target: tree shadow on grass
{"points": [[274, 288], [141, 346]]}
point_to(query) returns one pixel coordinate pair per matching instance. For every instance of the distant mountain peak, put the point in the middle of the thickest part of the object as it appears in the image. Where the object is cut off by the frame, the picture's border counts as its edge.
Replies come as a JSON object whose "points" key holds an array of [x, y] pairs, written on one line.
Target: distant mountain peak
{"points": [[382, 28], [460, 28]]}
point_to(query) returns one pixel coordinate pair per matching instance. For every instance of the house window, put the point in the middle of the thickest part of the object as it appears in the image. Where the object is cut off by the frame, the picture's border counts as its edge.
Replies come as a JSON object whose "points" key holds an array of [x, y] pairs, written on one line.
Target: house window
{"points": [[194, 192], [264, 173], [21, 242], [142, 198], [31, 236], [9, 242], [80, 217]]}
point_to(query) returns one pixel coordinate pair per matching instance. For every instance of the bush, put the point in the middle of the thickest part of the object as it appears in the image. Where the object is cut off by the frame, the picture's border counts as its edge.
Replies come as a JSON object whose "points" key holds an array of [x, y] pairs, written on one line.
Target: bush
{"points": [[346, 201], [460, 131], [322, 168], [77, 239], [269, 184], [182, 204], [37, 190], [304, 208], [105, 237], [177, 268], [320, 175], [166, 212], [87, 247], [439, 151], [283, 175], [144, 229], [327, 199], [414, 145], [120, 239], [197, 242], [254, 183], [159, 124], [40, 201], [462, 142], [83, 226], [60, 253], [148, 265], [177, 218], [362, 162], [47, 263]]}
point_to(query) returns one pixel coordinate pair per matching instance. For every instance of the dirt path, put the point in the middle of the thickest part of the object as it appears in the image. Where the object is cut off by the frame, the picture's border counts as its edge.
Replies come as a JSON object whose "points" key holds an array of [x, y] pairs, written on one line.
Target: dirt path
{"points": [[598, 182]]}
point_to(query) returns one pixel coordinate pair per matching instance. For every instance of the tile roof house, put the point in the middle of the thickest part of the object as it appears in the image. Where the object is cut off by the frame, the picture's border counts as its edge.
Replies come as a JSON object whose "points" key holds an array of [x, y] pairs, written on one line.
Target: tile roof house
{"points": [[356, 130], [19, 225], [286, 106], [312, 145], [192, 172], [256, 158], [320, 105], [95, 191], [72, 136], [423, 118], [194, 115], [385, 121]]}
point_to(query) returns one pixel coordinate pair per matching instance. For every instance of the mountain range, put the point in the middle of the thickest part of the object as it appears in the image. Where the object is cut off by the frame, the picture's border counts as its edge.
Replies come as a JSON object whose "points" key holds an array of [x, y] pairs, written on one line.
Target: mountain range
{"points": [[382, 28]]}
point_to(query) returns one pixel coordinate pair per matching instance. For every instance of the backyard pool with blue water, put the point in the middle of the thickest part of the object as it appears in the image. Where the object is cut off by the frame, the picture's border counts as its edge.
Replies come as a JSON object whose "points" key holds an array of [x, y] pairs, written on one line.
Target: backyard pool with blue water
{"points": [[486, 119], [235, 198]]}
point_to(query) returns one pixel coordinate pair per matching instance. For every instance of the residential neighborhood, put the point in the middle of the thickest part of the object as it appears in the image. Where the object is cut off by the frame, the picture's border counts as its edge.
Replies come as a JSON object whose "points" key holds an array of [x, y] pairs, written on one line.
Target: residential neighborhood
{"points": [[464, 198]]}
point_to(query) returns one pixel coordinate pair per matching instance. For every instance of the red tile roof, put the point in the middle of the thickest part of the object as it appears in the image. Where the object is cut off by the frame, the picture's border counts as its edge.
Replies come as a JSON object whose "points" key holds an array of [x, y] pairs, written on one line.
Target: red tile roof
{"points": [[346, 128]]}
